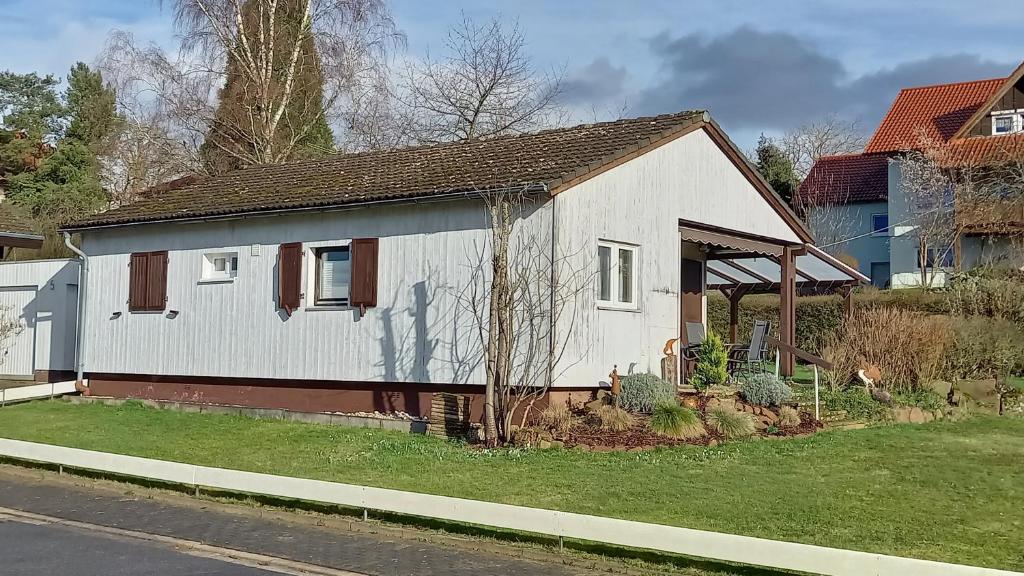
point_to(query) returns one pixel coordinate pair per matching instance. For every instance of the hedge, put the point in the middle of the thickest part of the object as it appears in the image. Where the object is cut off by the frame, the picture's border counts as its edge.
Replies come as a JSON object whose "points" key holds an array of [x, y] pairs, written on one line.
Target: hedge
{"points": [[817, 316]]}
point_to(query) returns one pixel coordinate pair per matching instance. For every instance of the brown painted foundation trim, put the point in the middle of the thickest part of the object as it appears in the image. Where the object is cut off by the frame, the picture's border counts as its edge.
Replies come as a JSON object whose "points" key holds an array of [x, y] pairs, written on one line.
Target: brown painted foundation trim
{"points": [[298, 395]]}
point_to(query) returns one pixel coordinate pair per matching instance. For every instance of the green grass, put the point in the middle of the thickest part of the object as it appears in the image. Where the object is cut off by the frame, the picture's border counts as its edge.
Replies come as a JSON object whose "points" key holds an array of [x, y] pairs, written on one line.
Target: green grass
{"points": [[944, 491], [1016, 381]]}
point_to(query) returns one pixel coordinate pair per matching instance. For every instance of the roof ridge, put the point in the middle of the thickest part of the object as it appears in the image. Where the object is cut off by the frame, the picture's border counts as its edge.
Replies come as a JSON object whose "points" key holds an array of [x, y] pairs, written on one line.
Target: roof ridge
{"points": [[682, 115], [942, 84]]}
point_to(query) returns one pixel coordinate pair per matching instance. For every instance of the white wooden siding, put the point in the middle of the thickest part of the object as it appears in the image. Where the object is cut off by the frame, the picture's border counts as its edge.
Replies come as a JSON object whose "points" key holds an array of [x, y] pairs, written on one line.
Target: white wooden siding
{"points": [[420, 330], [640, 202], [43, 296]]}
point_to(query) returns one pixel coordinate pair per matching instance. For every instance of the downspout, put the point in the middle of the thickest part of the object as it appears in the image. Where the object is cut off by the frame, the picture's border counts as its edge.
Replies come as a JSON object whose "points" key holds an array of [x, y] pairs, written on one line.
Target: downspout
{"points": [[83, 275], [552, 293]]}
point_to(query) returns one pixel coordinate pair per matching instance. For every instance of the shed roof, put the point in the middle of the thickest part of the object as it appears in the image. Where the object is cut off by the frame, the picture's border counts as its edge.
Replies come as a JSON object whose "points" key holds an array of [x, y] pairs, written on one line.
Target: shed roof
{"points": [[16, 230], [550, 157]]}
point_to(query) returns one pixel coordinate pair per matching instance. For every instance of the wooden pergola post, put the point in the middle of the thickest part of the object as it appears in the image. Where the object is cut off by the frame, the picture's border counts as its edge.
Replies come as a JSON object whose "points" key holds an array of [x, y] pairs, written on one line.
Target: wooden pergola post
{"points": [[734, 296], [847, 293], [787, 309]]}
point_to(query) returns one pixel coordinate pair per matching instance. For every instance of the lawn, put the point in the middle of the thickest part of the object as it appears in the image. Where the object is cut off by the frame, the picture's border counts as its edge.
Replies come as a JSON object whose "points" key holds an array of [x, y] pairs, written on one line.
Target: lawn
{"points": [[943, 491]]}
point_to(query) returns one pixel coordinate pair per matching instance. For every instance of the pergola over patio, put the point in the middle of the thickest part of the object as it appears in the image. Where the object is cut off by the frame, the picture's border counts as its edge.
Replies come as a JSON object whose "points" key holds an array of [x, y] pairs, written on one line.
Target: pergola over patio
{"points": [[738, 264]]}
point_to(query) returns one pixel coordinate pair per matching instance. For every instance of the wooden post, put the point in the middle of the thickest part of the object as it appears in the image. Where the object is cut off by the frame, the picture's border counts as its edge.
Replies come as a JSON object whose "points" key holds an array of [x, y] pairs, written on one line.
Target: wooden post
{"points": [[734, 296], [847, 294], [787, 308]]}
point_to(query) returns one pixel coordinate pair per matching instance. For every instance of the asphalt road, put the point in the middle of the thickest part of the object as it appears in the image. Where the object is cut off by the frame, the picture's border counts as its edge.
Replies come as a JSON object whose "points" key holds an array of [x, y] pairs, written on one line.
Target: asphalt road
{"points": [[28, 549]]}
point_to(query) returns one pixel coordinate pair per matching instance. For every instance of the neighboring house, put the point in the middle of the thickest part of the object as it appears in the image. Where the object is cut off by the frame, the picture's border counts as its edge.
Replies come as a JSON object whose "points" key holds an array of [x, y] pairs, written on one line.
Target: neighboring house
{"points": [[41, 297], [856, 201], [348, 283]]}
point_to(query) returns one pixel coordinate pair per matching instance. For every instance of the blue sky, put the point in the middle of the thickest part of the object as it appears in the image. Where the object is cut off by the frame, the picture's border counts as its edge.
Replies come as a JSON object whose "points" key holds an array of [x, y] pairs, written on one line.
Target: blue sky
{"points": [[759, 66]]}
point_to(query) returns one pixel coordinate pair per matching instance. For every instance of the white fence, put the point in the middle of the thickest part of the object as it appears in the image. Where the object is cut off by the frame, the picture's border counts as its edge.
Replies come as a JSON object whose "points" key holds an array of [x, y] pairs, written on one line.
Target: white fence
{"points": [[696, 543], [35, 391]]}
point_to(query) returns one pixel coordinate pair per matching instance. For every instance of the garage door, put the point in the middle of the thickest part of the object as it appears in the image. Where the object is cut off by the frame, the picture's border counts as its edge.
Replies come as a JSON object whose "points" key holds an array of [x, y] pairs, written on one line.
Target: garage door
{"points": [[17, 351]]}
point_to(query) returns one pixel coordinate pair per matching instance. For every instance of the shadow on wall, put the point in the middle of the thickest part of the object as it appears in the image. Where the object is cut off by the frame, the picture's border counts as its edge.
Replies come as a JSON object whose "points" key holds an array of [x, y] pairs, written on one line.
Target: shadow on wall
{"points": [[42, 302]]}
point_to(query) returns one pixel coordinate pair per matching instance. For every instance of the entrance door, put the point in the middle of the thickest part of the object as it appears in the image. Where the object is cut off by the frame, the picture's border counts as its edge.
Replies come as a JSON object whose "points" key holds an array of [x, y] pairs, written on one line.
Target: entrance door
{"points": [[880, 274], [17, 350]]}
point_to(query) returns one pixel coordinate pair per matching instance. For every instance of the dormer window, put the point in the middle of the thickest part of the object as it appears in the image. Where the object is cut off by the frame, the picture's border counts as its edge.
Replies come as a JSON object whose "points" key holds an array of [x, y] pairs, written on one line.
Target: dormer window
{"points": [[1007, 122]]}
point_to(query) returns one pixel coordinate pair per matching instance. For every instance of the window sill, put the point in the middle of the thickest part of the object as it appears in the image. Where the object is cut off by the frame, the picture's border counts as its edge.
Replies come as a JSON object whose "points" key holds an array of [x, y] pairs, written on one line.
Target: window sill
{"points": [[323, 307], [614, 308], [215, 281]]}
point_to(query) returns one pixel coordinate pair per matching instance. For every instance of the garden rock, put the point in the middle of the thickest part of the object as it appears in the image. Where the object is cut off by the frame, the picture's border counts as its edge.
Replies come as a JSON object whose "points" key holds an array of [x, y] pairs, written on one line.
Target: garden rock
{"points": [[940, 387], [917, 416], [984, 392], [771, 416], [691, 401]]}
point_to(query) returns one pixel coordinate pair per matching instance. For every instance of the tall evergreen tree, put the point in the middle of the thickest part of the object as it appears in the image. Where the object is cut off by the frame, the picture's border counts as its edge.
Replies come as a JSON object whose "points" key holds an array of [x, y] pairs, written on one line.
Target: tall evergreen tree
{"points": [[304, 132], [776, 168], [91, 107]]}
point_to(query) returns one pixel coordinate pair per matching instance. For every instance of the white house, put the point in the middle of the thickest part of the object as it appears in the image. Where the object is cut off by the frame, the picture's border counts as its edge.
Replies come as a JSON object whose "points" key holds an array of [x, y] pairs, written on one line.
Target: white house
{"points": [[344, 283]]}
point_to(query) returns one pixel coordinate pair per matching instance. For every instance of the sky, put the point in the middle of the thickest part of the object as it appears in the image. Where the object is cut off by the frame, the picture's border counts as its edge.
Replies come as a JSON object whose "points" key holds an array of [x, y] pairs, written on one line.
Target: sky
{"points": [[759, 66]]}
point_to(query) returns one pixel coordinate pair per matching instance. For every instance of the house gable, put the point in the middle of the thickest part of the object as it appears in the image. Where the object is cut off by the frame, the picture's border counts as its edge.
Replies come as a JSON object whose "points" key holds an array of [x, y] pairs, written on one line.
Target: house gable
{"points": [[1009, 97]]}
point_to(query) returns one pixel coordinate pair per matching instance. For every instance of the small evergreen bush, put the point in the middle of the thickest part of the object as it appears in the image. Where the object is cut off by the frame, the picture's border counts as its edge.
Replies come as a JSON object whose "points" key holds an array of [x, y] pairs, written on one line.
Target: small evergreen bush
{"points": [[712, 364], [675, 421], [611, 418], [729, 422], [765, 390], [642, 392], [858, 404], [788, 417]]}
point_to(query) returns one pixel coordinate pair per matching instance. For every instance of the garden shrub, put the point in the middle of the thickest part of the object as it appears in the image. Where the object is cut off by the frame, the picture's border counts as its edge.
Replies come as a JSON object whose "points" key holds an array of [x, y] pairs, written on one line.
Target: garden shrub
{"points": [[765, 390], [908, 347], [729, 422], [712, 364], [641, 392], [675, 421], [788, 417], [858, 404], [926, 399], [988, 292], [556, 418], [611, 419], [985, 348]]}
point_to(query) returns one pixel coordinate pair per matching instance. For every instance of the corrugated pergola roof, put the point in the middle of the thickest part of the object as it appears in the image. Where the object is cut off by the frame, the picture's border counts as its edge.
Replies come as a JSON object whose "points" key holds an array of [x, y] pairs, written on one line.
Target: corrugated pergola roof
{"points": [[814, 269]]}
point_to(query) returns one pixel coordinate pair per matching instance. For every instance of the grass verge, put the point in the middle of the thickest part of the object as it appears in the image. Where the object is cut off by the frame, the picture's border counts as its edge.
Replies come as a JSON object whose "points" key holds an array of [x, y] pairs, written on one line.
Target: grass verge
{"points": [[942, 491]]}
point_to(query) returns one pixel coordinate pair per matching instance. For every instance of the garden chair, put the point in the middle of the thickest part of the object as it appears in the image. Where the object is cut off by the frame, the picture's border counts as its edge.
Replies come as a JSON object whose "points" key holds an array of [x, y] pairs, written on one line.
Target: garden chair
{"points": [[753, 356], [694, 338]]}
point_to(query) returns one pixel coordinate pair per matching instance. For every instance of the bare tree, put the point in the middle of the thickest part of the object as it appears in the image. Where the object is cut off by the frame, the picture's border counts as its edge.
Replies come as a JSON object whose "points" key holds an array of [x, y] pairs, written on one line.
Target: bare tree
{"points": [[344, 41], [829, 136], [486, 86], [524, 299]]}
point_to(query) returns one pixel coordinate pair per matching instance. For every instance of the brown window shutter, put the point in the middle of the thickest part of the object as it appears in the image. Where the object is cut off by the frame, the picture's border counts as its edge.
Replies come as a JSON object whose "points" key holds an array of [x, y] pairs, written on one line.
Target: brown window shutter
{"points": [[156, 285], [363, 292], [138, 277], [289, 280]]}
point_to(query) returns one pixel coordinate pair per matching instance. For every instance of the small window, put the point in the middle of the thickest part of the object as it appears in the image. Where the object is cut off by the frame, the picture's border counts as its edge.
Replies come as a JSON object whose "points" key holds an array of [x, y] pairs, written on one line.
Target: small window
{"points": [[1007, 122], [880, 224], [941, 258], [220, 266], [333, 276], [617, 281]]}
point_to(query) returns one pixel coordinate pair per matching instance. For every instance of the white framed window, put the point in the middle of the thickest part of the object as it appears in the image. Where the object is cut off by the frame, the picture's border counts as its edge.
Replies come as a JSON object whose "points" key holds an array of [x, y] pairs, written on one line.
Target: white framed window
{"points": [[219, 266], [333, 276], [1007, 122], [617, 266]]}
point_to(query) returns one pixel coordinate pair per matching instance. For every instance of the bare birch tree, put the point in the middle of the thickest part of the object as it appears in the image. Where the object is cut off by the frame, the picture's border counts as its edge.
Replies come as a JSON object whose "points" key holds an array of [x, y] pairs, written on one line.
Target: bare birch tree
{"points": [[267, 45], [486, 86]]}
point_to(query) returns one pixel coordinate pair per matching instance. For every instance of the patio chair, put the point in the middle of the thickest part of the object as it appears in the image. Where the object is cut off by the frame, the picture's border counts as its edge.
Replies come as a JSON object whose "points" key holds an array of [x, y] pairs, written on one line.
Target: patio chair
{"points": [[694, 338], [754, 355]]}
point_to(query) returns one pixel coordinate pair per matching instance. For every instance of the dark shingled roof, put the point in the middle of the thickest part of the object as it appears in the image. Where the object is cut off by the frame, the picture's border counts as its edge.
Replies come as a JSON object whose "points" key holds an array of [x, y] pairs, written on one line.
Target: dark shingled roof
{"points": [[845, 180], [12, 222], [550, 157]]}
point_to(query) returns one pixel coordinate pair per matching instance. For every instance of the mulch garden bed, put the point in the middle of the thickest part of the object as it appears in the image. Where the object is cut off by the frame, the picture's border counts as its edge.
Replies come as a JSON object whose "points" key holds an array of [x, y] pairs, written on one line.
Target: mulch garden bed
{"points": [[640, 437]]}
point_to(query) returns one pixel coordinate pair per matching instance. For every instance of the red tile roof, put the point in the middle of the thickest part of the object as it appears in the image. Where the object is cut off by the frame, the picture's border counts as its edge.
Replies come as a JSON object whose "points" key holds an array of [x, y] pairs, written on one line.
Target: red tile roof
{"points": [[982, 150], [846, 179], [939, 110]]}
